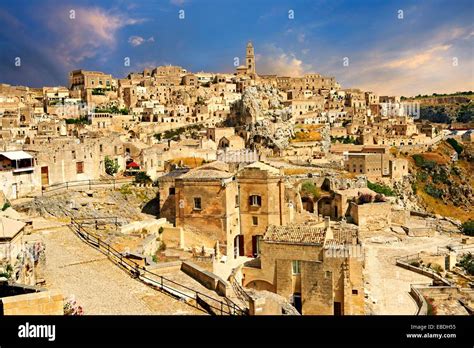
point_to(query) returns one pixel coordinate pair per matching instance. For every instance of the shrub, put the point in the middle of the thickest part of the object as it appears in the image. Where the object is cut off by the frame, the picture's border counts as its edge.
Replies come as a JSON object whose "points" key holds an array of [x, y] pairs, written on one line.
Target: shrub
{"points": [[441, 176], [310, 189], [125, 190], [6, 206], [162, 246], [415, 263], [422, 163], [8, 271], [467, 262], [80, 120], [111, 166], [433, 191], [468, 228], [98, 91], [142, 178], [380, 188], [437, 268], [422, 176], [455, 145]]}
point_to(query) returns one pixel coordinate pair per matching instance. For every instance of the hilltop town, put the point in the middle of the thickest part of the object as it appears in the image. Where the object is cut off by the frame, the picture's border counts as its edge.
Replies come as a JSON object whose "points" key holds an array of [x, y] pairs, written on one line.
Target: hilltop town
{"points": [[231, 194]]}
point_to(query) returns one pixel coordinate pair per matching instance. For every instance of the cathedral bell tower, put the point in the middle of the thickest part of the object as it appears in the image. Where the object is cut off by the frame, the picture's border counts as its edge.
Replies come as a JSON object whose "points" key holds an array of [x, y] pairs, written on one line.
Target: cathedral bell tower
{"points": [[250, 59]]}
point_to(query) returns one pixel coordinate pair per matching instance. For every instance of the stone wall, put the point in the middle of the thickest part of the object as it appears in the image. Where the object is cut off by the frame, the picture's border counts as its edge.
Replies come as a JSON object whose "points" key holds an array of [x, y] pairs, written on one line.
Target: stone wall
{"points": [[173, 237], [206, 278], [321, 282], [26, 184], [38, 303], [375, 215]]}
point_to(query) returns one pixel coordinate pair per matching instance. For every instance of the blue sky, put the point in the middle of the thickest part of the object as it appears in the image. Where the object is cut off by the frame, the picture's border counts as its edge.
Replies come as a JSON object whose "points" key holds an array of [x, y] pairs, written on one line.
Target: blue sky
{"points": [[429, 50]]}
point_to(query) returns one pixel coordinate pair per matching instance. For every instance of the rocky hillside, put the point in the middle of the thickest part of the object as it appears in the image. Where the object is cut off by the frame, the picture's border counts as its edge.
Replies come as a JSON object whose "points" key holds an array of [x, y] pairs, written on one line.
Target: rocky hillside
{"points": [[446, 108], [442, 185]]}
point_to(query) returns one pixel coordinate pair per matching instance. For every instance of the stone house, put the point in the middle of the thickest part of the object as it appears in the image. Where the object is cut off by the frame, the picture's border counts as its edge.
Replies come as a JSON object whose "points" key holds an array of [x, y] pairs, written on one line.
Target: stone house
{"points": [[262, 203], [233, 208], [318, 268], [19, 176], [206, 200]]}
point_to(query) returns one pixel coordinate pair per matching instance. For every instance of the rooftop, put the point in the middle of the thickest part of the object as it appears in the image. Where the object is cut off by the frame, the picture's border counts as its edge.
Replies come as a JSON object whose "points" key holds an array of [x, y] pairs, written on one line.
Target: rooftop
{"points": [[9, 228], [16, 155], [295, 234]]}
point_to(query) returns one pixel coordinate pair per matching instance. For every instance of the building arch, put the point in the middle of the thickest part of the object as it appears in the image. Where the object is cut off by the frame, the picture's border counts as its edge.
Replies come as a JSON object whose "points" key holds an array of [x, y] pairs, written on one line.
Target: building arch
{"points": [[259, 284]]}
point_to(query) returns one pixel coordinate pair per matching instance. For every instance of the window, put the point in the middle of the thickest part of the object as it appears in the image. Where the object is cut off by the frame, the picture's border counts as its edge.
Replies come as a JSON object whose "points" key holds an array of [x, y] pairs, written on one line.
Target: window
{"points": [[255, 201], [355, 292], [296, 269], [254, 220], [197, 203], [101, 147], [236, 200], [79, 167], [73, 154], [172, 191]]}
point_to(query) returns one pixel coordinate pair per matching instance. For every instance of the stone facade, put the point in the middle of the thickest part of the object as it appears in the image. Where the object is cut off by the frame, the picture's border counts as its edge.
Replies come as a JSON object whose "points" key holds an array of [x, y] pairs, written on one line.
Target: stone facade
{"points": [[313, 275]]}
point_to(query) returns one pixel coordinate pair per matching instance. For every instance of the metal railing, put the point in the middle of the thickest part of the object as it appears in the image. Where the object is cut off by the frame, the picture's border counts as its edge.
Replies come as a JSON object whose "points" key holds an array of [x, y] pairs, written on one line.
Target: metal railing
{"points": [[70, 185], [238, 289], [175, 289]]}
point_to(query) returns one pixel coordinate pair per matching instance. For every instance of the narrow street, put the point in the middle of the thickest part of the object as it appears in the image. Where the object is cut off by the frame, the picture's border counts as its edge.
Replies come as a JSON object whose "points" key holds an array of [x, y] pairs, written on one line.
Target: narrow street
{"points": [[99, 286]]}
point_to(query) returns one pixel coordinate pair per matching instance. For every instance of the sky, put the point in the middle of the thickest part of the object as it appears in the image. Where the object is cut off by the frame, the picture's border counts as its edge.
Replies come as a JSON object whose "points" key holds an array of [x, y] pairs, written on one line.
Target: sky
{"points": [[402, 47]]}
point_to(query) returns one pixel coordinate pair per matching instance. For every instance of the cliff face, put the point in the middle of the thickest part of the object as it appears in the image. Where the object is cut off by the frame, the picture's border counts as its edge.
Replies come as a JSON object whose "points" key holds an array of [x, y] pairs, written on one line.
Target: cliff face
{"points": [[262, 102], [267, 121], [443, 186], [446, 109]]}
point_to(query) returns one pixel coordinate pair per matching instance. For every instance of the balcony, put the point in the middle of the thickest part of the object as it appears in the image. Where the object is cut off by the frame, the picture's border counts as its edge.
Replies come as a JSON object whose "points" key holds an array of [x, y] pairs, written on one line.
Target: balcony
{"points": [[16, 161]]}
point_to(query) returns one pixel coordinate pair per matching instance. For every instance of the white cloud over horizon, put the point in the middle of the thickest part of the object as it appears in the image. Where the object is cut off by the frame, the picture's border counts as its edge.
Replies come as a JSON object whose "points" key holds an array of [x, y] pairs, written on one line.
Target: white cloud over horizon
{"points": [[275, 60], [91, 32]]}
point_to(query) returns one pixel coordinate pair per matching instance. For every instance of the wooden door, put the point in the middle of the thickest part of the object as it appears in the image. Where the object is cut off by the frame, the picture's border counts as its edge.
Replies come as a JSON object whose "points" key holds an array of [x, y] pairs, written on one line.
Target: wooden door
{"points": [[241, 245], [44, 176]]}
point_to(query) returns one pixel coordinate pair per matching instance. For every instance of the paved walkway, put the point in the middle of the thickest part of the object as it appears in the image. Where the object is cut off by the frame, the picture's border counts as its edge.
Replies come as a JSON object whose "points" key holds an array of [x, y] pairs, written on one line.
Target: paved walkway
{"points": [[98, 285], [388, 284]]}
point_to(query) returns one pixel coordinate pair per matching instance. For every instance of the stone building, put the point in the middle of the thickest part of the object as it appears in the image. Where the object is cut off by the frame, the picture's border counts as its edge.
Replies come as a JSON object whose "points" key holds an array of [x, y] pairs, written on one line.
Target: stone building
{"points": [[234, 208], [249, 68], [316, 267], [375, 162], [19, 176], [206, 200], [262, 203]]}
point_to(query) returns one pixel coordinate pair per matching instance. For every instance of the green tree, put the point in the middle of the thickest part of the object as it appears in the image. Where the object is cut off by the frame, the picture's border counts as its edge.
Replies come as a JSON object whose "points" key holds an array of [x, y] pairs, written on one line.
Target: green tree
{"points": [[468, 228], [380, 188], [142, 178], [309, 188], [467, 262], [111, 167]]}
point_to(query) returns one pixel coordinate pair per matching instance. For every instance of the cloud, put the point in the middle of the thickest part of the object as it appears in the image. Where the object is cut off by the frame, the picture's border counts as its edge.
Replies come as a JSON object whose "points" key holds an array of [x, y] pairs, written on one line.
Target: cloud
{"points": [[442, 63], [87, 32], [275, 60], [178, 2], [418, 59], [138, 40]]}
